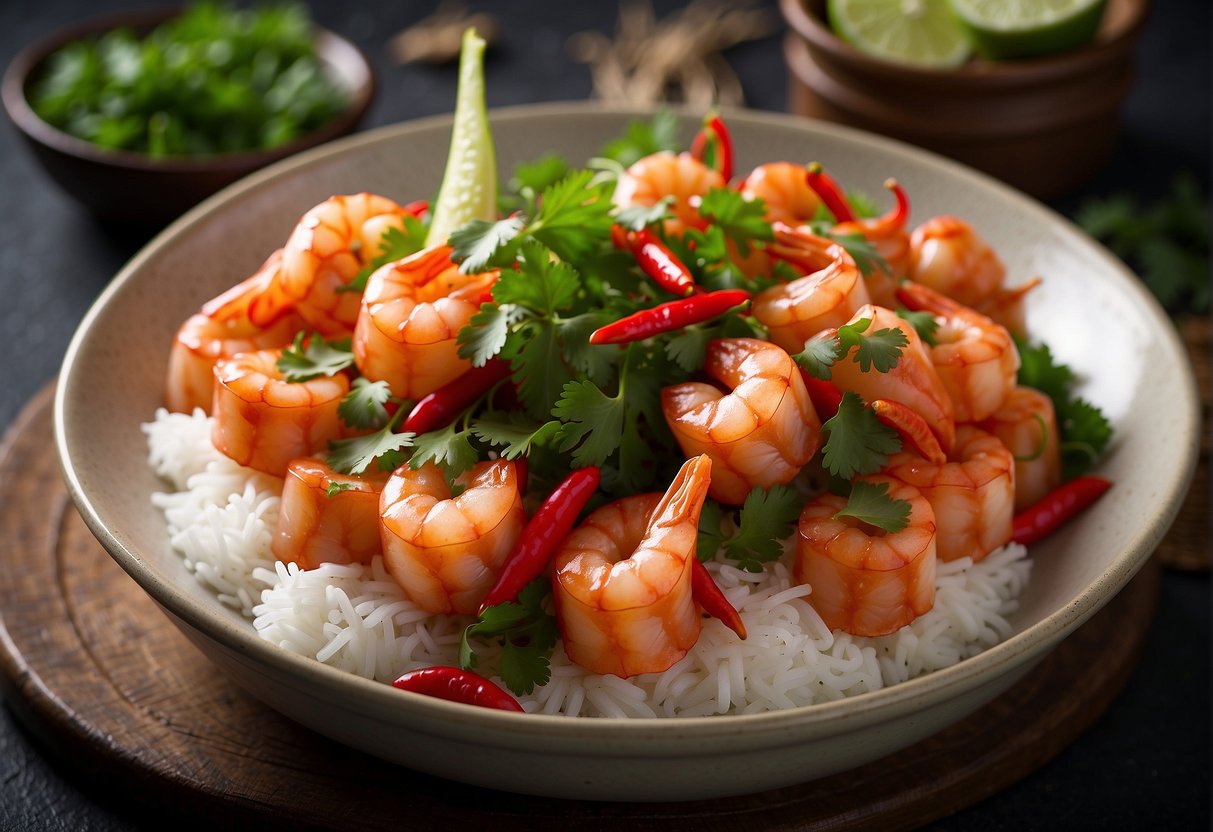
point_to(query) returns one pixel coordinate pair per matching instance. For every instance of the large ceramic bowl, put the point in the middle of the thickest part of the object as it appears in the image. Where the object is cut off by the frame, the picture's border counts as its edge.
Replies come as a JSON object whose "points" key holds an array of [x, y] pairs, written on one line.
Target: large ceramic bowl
{"points": [[1092, 311]]}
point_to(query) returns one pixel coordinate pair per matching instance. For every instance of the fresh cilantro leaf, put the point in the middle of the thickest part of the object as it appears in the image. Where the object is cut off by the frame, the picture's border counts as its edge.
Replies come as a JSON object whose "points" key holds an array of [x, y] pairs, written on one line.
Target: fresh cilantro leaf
{"points": [[355, 454], [574, 216], [743, 221], [515, 433], [711, 532], [593, 422], [924, 324], [766, 519], [544, 285], [449, 448], [597, 362], [527, 633], [335, 488], [535, 357], [364, 406], [1040, 370], [870, 503], [481, 244], [880, 349], [485, 333], [313, 357], [688, 348], [1085, 432], [819, 354], [858, 442], [643, 138]]}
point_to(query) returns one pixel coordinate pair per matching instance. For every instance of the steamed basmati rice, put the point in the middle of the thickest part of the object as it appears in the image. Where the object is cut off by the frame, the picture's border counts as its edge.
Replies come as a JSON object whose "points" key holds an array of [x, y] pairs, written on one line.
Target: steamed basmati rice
{"points": [[221, 520]]}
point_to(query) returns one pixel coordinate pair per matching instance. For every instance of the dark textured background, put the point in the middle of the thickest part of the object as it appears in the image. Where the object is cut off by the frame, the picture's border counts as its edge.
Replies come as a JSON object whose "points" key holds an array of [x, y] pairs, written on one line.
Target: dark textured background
{"points": [[1144, 765]]}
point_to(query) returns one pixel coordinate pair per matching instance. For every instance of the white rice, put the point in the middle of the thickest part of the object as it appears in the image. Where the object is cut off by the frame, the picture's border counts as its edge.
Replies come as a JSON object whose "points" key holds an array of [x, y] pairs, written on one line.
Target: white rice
{"points": [[221, 520]]}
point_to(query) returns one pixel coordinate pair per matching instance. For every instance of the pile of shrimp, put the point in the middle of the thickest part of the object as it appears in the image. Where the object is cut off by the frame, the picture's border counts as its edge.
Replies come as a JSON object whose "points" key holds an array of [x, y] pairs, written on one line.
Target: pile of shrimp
{"points": [[975, 445]]}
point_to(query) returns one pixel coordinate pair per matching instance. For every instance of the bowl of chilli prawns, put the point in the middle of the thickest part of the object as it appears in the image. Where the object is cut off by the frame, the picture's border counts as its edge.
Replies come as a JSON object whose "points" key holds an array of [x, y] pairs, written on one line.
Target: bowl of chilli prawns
{"points": [[815, 583]]}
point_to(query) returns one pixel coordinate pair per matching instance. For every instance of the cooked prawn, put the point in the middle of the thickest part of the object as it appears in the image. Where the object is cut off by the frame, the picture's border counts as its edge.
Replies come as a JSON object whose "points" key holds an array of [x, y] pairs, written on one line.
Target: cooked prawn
{"points": [[784, 189], [445, 551], [327, 517], [221, 329], [826, 296], [888, 234], [622, 579], [1027, 425], [972, 495], [760, 432], [866, 581], [660, 175], [947, 255], [264, 421], [976, 358], [913, 382], [326, 251], [411, 312]]}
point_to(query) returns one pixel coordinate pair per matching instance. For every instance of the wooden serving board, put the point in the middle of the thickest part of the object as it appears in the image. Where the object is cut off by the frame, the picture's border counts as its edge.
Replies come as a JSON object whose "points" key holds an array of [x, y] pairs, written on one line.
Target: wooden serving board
{"points": [[94, 668]]}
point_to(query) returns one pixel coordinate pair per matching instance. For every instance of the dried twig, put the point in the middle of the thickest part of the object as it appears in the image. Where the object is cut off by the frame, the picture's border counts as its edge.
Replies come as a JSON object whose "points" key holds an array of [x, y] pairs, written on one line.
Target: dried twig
{"points": [[437, 38], [675, 59]]}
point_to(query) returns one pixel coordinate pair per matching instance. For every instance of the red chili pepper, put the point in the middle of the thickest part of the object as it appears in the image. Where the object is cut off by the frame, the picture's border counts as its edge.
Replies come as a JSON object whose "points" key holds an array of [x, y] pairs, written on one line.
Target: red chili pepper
{"points": [[543, 533], [656, 260], [669, 316], [455, 685], [1047, 514], [830, 193], [825, 395], [715, 132], [899, 214], [709, 596], [438, 408], [417, 207]]}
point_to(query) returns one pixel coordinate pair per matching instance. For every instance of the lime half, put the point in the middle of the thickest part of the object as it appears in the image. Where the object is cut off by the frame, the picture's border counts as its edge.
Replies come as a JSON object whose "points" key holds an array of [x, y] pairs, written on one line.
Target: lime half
{"points": [[915, 32], [1002, 29], [469, 185]]}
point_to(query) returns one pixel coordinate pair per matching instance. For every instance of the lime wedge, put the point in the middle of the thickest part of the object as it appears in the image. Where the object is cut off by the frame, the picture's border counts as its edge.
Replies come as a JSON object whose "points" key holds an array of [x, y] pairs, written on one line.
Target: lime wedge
{"points": [[916, 32], [1002, 29], [469, 185]]}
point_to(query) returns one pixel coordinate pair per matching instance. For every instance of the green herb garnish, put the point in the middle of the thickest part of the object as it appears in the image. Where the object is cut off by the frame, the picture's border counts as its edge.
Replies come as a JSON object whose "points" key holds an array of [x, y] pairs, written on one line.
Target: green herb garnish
{"points": [[215, 80]]}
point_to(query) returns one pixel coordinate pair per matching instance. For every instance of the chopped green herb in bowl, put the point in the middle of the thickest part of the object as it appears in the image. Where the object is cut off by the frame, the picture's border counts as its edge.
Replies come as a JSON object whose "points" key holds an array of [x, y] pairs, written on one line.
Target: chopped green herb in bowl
{"points": [[140, 115], [215, 80]]}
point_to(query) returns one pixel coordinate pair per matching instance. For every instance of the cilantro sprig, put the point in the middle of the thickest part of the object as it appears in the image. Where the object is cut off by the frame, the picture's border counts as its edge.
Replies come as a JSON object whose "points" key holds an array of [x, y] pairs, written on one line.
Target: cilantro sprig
{"points": [[526, 632], [871, 503], [756, 536], [571, 217], [857, 442], [311, 357], [384, 446], [880, 349], [1083, 428]]}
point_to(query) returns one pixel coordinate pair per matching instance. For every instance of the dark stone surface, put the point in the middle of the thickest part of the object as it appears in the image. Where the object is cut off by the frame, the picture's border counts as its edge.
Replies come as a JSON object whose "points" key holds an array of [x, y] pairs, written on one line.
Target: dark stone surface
{"points": [[1144, 765]]}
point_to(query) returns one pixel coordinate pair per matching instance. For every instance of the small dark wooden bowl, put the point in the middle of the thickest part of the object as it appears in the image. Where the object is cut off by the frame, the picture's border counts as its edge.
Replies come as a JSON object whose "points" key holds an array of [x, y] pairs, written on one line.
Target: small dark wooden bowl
{"points": [[133, 188], [1044, 125]]}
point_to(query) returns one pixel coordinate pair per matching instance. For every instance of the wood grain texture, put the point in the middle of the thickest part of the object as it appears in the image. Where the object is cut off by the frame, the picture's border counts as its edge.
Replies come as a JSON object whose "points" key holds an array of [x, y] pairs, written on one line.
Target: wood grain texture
{"points": [[92, 666]]}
